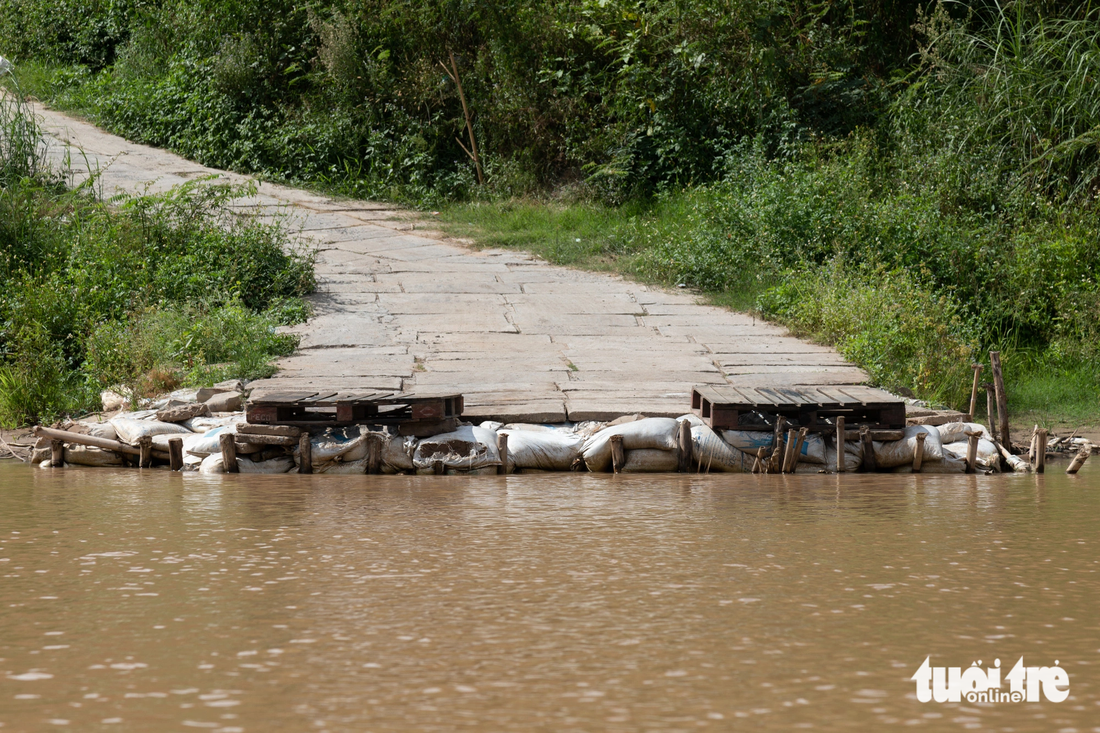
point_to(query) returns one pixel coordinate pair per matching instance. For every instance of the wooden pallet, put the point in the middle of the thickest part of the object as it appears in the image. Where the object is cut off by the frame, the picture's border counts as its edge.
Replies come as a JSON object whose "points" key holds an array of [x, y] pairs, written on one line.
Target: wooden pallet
{"points": [[309, 409], [814, 408]]}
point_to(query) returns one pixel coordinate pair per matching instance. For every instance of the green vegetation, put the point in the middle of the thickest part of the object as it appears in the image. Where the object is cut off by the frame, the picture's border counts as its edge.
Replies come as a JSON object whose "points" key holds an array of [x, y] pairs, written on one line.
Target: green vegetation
{"points": [[915, 185], [147, 293]]}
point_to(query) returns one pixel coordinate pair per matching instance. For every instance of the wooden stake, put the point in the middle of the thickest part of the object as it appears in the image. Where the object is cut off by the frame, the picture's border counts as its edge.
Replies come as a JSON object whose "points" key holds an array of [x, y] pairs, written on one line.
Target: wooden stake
{"points": [[1002, 399], [991, 409], [229, 452], [788, 453], [797, 449], [502, 449], [840, 445], [374, 453], [775, 463], [453, 73], [758, 463], [918, 452], [1041, 450], [869, 464], [974, 390], [438, 468], [57, 453], [1079, 459], [175, 453], [971, 450], [618, 456], [685, 445], [305, 454], [1031, 448]]}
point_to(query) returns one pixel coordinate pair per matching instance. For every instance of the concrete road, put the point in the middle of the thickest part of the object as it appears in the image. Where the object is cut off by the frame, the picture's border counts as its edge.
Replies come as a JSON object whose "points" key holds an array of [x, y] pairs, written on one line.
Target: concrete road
{"points": [[400, 308]]}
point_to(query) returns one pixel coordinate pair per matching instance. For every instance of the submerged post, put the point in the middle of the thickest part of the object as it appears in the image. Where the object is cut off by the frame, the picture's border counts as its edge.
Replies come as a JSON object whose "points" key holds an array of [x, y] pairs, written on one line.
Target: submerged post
{"points": [[502, 450], [145, 454], [840, 444], [175, 453], [788, 454], [1040, 450], [57, 453], [685, 444], [1002, 398], [1079, 459], [869, 464], [918, 452], [971, 450], [618, 456], [229, 452], [305, 454], [374, 453]]}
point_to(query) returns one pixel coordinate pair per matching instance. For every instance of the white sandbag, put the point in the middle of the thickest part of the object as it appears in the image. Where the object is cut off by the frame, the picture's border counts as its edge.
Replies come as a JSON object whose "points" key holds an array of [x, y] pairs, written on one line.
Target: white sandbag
{"points": [[953, 432], [716, 455], [192, 462], [565, 428], [202, 424], [341, 467], [397, 453], [467, 448], [750, 441], [853, 457], [988, 456], [130, 430], [586, 428], [948, 464], [657, 433], [347, 444], [46, 464], [279, 464], [212, 464], [86, 455], [208, 443], [491, 425], [893, 453], [650, 460], [98, 430], [549, 451]]}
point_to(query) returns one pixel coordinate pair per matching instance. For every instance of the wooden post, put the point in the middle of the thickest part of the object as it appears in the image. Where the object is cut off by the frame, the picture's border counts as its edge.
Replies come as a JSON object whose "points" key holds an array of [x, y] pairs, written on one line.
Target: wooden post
{"points": [[438, 468], [685, 444], [57, 453], [869, 464], [1031, 448], [788, 453], [229, 452], [618, 456], [1079, 459], [918, 453], [991, 409], [840, 445], [374, 453], [797, 453], [305, 454], [1040, 450], [971, 450], [175, 453], [1002, 398], [974, 390], [758, 463], [145, 448], [775, 463], [502, 449]]}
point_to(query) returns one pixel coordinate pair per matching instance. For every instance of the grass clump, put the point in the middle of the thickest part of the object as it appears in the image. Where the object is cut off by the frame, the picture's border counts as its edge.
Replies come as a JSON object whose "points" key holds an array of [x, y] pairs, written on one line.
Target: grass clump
{"points": [[145, 292]]}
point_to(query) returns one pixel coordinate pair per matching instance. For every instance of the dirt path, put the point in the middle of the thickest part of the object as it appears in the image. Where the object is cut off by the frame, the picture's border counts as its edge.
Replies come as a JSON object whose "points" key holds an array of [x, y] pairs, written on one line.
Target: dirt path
{"points": [[400, 309]]}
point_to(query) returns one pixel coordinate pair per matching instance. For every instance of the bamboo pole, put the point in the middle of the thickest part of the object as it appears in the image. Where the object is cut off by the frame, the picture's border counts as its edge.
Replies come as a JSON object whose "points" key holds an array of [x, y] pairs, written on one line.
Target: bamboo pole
{"points": [[974, 390], [1041, 450], [788, 453], [1014, 462], [472, 150], [797, 449], [918, 453], [1079, 460], [840, 445], [1002, 398]]}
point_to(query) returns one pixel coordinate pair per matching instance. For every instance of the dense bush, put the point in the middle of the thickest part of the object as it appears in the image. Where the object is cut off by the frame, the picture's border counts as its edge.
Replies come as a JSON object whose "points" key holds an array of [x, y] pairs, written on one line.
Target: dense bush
{"points": [[93, 295]]}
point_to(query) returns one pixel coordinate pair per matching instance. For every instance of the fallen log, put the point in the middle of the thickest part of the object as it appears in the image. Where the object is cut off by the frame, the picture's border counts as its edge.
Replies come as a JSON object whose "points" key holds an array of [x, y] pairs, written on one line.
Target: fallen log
{"points": [[105, 443]]}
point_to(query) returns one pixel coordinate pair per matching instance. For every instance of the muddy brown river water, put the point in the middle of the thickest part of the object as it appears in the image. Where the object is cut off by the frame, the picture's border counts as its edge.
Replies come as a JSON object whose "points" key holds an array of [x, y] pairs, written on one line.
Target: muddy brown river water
{"points": [[147, 601]]}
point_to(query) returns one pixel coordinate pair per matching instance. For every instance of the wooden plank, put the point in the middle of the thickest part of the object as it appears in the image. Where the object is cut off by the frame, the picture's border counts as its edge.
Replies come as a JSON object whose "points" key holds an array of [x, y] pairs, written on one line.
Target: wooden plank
{"points": [[281, 398], [773, 397], [845, 391], [318, 398]]}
